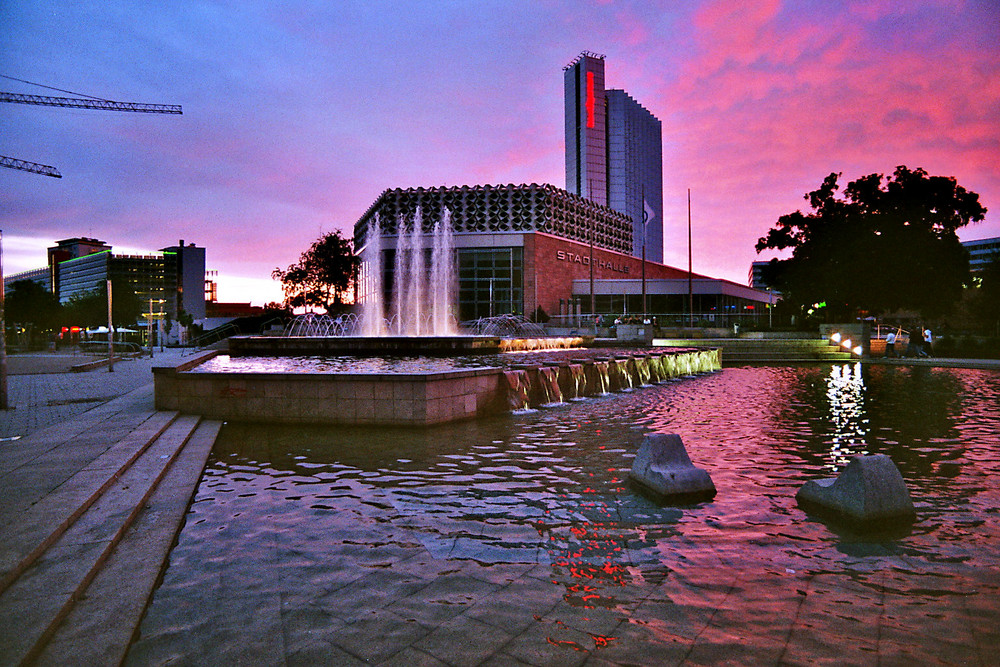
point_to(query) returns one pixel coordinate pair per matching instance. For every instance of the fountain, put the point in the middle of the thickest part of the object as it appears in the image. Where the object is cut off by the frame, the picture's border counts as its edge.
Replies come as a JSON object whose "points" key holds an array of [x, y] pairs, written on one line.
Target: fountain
{"points": [[255, 382]]}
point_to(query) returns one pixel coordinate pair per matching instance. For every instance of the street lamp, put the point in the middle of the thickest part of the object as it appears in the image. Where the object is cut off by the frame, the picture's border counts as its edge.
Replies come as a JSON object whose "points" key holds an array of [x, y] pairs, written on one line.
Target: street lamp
{"points": [[150, 324]]}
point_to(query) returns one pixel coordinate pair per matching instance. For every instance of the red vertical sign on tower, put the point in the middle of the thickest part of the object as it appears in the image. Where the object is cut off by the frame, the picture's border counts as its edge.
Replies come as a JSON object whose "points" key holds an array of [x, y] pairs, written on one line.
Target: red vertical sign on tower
{"points": [[590, 99]]}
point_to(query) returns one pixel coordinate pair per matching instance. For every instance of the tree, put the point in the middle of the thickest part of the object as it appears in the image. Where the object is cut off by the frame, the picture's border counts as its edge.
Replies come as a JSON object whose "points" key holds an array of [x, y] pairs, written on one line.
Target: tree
{"points": [[31, 307], [880, 247], [322, 276], [90, 309]]}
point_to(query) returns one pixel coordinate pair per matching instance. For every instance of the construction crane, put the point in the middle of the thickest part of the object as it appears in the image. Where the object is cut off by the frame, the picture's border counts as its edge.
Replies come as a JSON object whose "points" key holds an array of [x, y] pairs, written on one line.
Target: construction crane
{"points": [[81, 103], [72, 103], [33, 167]]}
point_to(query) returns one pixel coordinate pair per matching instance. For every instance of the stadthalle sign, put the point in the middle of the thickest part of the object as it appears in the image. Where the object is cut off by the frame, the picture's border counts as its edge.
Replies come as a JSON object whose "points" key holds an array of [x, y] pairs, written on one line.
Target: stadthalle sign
{"points": [[574, 258]]}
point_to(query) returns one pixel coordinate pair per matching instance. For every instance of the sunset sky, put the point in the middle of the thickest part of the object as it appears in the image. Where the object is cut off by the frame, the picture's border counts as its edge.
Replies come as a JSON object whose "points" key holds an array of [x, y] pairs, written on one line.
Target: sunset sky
{"points": [[298, 114]]}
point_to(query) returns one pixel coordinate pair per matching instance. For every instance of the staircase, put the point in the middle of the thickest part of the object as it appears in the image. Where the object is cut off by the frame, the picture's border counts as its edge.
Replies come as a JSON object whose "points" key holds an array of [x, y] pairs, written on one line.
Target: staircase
{"points": [[764, 350], [83, 548]]}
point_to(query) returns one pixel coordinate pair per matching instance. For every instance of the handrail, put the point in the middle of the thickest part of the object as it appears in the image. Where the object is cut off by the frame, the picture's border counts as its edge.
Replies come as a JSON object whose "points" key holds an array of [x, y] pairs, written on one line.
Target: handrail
{"points": [[213, 336], [263, 327], [878, 335]]}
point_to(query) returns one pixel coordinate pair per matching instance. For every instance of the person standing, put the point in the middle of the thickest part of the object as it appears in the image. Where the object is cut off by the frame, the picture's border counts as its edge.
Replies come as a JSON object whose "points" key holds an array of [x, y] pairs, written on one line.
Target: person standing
{"points": [[890, 345], [928, 350]]}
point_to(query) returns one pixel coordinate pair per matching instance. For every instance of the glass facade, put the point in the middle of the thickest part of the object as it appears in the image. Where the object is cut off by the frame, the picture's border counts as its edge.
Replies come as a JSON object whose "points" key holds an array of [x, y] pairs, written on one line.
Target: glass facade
{"points": [[635, 171], [83, 275], [490, 282]]}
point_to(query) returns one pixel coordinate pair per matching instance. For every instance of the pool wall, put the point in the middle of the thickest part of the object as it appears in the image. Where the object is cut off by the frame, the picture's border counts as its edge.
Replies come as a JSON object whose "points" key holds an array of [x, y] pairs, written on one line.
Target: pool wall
{"points": [[378, 399], [407, 399]]}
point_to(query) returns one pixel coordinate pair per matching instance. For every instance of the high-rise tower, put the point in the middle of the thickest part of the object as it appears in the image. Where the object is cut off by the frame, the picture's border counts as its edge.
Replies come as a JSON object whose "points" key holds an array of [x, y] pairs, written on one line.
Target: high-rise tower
{"points": [[586, 128], [614, 152], [635, 171]]}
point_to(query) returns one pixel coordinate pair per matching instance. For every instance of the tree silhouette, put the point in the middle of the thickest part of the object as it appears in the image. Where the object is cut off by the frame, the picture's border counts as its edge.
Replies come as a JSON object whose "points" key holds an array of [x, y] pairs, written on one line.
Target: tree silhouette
{"points": [[886, 244], [322, 276], [90, 309], [33, 308]]}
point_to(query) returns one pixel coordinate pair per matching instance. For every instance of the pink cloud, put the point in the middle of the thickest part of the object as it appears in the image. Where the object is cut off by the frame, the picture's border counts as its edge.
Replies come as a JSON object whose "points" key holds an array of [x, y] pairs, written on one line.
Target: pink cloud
{"points": [[770, 103]]}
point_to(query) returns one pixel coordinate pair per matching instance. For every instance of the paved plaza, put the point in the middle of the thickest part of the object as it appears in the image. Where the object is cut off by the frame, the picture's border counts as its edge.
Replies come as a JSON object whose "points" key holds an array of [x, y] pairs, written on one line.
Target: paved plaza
{"points": [[42, 390]]}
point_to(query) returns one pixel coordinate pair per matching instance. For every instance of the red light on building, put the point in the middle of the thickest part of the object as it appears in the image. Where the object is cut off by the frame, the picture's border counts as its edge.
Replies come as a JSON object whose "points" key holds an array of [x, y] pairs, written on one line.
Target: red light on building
{"points": [[590, 99]]}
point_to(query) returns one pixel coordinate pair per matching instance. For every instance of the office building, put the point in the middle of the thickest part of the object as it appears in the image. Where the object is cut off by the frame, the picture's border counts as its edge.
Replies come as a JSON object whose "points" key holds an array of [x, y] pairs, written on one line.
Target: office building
{"points": [[614, 152], [982, 252], [172, 278]]}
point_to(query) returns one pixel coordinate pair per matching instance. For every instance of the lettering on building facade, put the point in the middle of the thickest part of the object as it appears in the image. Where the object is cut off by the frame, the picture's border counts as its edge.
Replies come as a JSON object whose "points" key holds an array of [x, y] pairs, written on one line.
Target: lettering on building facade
{"points": [[575, 258]]}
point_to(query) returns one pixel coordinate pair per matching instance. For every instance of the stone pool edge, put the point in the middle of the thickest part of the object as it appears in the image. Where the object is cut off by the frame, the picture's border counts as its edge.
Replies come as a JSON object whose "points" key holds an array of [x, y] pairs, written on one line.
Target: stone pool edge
{"points": [[416, 399]]}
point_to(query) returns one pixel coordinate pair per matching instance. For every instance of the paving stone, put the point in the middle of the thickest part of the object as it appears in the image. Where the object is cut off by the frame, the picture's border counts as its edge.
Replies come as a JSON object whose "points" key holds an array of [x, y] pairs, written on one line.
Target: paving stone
{"points": [[378, 635], [463, 641], [544, 643], [411, 657], [371, 593]]}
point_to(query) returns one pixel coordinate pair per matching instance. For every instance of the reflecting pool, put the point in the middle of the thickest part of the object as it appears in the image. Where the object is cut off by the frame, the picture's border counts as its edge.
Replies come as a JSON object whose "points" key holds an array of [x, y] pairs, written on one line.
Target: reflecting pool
{"points": [[518, 537]]}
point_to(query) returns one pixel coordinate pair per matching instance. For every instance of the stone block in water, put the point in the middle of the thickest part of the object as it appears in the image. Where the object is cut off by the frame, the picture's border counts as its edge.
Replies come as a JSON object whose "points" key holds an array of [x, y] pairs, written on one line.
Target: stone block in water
{"points": [[869, 493], [662, 466]]}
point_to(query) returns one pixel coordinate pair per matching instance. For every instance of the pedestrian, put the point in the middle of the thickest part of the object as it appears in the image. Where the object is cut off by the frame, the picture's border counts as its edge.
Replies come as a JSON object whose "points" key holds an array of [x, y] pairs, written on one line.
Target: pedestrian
{"points": [[890, 345], [928, 349]]}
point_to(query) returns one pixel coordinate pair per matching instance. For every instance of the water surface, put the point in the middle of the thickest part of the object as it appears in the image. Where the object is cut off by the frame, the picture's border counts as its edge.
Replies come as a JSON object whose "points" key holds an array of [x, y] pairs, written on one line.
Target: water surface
{"points": [[526, 525]]}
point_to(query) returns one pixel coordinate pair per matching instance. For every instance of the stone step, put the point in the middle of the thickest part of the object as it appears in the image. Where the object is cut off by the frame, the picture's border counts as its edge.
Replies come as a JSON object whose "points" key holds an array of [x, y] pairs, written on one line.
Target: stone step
{"points": [[37, 514], [100, 626], [40, 596]]}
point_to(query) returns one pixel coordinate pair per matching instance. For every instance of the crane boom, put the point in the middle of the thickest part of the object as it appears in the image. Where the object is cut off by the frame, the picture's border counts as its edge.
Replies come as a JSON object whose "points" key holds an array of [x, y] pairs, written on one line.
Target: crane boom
{"points": [[83, 103], [33, 167]]}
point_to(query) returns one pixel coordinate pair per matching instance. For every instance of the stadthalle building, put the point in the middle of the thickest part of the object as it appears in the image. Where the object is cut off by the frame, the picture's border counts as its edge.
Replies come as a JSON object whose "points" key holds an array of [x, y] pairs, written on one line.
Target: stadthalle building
{"points": [[520, 248]]}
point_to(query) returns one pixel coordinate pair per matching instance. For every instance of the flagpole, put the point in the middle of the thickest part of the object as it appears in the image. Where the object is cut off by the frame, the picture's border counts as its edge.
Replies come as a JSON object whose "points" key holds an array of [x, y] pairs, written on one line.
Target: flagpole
{"points": [[645, 218], [593, 307], [690, 272]]}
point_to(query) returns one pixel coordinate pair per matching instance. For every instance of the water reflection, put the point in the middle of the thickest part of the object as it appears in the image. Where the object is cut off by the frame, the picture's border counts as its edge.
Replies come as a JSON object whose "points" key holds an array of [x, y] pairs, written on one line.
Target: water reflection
{"points": [[306, 511], [846, 395]]}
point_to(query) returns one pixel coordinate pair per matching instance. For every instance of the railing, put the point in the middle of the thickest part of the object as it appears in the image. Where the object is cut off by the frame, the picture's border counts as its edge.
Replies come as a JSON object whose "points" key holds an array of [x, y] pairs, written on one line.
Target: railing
{"points": [[213, 336], [711, 319], [273, 320], [880, 331]]}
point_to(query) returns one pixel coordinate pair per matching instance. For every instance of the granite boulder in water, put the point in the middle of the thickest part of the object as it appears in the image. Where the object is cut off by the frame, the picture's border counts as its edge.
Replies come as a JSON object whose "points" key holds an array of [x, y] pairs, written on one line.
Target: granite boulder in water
{"points": [[663, 466], [869, 492]]}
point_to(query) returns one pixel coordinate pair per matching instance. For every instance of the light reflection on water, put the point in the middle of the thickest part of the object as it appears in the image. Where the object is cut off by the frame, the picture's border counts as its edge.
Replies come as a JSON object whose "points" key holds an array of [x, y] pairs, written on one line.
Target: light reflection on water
{"points": [[549, 487]]}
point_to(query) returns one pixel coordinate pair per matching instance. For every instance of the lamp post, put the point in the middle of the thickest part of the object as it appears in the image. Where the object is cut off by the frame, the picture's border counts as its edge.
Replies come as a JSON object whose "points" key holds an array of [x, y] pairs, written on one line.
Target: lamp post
{"points": [[150, 326], [111, 337], [149, 329]]}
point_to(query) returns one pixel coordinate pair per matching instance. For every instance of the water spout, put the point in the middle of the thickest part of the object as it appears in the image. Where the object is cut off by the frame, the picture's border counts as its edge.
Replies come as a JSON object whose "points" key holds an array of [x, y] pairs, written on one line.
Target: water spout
{"points": [[422, 299]]}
